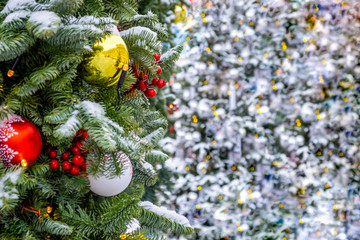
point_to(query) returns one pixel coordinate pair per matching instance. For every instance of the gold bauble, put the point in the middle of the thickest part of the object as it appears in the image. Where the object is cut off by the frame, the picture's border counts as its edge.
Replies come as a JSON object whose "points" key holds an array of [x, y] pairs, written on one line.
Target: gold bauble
{"points": [[180, 13], [105, 67]]}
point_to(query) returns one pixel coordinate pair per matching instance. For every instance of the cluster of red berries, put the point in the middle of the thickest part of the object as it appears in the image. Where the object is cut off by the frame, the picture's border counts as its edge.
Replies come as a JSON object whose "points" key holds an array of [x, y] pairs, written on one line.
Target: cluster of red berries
{"points": [[76, 154], [172, 108], [143, 83]]}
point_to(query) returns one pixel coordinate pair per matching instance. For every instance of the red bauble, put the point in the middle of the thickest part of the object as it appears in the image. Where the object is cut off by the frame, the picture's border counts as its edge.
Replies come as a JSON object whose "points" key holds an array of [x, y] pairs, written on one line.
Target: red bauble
{"points": [[54, 164], [157, 57], [66, 166], [143, 85], [150, 93], [159, 70], [52, 153], [161, 83], [65, 156], [75, 150], [154, 81], [75, 170], [78, 160], [19, 140]]}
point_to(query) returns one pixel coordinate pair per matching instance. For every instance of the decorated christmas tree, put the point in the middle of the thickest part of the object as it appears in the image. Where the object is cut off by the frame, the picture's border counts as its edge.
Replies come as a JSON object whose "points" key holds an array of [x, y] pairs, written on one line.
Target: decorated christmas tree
{"points": [[78, 136], [265, 121]]}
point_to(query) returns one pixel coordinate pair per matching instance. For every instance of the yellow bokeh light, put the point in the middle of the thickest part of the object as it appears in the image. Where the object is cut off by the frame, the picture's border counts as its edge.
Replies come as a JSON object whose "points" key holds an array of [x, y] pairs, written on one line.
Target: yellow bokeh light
{"points": [[220, 197], [291, 99], [208, 49], [281, 205], [204, 20], [199, 188], [197, 206], [23, 163], [237, 39], [187, 168], [239, 59], [214, 142], [240, 22]]}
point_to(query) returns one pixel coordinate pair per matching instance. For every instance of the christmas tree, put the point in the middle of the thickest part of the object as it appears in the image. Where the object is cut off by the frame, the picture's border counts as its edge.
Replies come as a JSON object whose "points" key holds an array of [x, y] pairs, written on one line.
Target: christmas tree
{"points": [[266, 140], [79, 138]]}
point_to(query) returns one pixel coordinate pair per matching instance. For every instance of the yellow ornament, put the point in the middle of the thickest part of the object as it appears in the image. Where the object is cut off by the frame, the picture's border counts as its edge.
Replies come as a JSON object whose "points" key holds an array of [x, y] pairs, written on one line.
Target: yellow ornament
{"points": [[180, 13], [105, 67]]}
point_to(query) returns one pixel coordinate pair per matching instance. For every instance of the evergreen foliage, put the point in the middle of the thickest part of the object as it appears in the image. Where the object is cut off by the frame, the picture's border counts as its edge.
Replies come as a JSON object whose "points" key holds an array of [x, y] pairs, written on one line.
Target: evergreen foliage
{"points": [[52, 39]]}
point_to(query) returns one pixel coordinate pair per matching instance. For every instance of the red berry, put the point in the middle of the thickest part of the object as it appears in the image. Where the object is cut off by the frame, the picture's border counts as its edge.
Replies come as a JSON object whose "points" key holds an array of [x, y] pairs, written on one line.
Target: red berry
{"points": [[54, 164], [53, 154], [78, 160], [157, 57], [83, 166], [75, 170], [159, 70], [150, 93], [161, 83], [66, 165], [78, 145], [143, 85], [65, 156], [85, 135], [172, 129], [75, 150], [143, 76], [154, 81]]}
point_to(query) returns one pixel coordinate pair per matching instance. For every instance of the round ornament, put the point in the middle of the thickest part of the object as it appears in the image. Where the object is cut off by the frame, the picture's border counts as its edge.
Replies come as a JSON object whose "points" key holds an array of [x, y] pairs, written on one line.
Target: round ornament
{"points": [[105, 67], [180, 13], [20, 142], [107, 185]]}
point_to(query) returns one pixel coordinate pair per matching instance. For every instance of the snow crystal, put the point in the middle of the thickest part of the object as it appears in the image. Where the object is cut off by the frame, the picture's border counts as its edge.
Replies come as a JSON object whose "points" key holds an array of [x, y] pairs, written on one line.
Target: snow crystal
{"points": [[138, 30], [16, 16], [172, 215], [71, 124], [5, 192], [148, 167], [13, 5], [45, 20], [132, 226], [93, 109]]}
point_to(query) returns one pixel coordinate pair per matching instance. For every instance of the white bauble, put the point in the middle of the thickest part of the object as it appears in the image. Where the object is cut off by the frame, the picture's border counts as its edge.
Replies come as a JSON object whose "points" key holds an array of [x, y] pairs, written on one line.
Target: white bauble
{"points": [[106, 185]]}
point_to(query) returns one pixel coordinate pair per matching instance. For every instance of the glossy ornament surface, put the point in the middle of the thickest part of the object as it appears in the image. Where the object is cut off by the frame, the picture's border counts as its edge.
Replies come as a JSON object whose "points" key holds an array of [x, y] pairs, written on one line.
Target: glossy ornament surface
{"points": [[106, 185], [20, 142], [105, 67]]}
